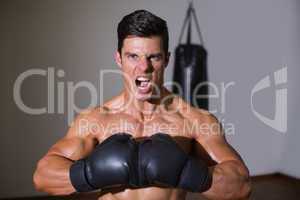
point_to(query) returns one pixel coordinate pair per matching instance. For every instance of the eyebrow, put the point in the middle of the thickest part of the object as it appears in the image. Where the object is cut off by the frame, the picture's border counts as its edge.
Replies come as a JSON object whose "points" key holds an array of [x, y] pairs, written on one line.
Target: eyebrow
{"points": [[151, 55], [129, 53], [155, 55]]}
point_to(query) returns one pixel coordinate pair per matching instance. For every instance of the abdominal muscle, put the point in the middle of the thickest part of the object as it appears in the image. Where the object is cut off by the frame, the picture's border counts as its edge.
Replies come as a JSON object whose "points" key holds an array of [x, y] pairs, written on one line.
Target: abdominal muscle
{"points": [[149, 193]]}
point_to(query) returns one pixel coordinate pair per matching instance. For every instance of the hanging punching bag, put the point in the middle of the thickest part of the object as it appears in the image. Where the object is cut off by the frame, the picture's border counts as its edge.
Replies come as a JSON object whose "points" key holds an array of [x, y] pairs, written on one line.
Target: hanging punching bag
{"points": [[190, 70]]}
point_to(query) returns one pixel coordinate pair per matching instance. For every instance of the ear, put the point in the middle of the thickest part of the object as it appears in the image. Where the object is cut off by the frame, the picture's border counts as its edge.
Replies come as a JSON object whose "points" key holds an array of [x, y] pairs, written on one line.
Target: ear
{"points": [[118, 58], [168, 58]]}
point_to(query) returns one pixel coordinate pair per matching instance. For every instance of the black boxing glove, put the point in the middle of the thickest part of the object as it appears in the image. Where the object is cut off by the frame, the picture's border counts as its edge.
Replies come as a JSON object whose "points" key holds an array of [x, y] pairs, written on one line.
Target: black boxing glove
{"points": [[112, 163], [162, 161]]}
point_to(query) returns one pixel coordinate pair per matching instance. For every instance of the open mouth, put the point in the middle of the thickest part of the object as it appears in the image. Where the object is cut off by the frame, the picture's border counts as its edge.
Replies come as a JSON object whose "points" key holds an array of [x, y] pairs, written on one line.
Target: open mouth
{"points": [[143, 84]]}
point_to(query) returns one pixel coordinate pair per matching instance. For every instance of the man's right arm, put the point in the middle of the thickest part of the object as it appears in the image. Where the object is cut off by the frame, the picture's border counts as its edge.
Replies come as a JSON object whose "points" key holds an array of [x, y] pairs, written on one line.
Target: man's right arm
{"points": [[52, 172]]}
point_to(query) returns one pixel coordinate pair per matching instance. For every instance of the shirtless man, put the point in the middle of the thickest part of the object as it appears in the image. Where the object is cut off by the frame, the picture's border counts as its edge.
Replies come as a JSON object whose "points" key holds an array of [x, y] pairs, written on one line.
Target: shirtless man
{"points": [[145, 143]]}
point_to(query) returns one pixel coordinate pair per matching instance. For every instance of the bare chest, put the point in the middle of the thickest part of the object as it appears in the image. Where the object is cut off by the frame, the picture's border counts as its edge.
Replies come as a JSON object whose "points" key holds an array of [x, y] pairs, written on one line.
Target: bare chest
{"points": [[174, 125], [150, 193]]}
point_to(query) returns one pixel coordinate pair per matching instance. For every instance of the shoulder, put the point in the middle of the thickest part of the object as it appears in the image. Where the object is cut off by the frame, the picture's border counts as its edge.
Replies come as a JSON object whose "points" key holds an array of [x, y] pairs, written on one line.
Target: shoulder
{"points": [[100, 112], [191, 112], [86, 122], [200, 122], [90, 121]]}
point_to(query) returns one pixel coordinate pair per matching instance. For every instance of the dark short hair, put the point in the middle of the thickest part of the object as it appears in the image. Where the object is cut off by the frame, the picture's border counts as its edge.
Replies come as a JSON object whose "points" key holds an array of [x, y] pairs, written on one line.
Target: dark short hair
{"points": [[143, 23]]}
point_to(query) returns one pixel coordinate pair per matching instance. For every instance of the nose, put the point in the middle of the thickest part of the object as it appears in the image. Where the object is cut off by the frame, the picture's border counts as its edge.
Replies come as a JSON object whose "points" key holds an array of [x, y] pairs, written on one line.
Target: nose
{"points": [[145, 65]]}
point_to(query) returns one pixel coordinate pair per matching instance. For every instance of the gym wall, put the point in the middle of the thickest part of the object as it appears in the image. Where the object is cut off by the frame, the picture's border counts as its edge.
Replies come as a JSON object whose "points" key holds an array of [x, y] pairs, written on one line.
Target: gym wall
{"points": [[246, 41]]}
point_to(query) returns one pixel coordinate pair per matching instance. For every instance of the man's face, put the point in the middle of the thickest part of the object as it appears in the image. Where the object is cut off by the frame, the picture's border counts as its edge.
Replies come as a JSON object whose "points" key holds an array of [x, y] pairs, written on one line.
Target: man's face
{"points": [[143, 61]]}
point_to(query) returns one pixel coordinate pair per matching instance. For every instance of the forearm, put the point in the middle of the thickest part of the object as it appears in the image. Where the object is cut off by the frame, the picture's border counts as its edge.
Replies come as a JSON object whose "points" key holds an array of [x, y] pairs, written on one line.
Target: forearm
{"points": [[230, 180], [52, 175]]}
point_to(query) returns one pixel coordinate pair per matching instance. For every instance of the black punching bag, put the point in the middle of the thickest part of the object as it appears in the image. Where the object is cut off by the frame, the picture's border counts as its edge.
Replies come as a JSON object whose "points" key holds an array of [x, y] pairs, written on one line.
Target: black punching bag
{"points": [[190, 70]]}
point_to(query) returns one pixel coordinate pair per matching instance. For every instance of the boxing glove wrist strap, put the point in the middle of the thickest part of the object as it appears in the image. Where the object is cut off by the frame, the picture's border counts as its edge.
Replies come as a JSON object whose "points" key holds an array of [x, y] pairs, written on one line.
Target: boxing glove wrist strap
{"points": [[78, 177], [195, 176]]}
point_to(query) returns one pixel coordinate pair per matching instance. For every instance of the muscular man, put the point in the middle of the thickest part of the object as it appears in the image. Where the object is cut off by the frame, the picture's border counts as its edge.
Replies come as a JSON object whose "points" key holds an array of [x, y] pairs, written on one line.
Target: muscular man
{"points": [[145, 143]]}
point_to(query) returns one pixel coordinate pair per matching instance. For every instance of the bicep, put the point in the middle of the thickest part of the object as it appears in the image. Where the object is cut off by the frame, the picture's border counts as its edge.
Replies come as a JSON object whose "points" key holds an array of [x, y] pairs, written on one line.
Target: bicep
{"points": [[75, 144], [72, 148], [214, 143], [218, 149]]}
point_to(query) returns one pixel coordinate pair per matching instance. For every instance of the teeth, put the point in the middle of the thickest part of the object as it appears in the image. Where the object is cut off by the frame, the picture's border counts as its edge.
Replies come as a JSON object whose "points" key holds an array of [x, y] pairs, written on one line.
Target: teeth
{"points": [[144, 83], [143, 79]]}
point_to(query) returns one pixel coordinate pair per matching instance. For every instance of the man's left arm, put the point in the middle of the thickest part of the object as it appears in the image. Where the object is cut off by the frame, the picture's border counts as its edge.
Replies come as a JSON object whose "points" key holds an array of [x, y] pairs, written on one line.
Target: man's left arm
{"points": [[230, 176]]}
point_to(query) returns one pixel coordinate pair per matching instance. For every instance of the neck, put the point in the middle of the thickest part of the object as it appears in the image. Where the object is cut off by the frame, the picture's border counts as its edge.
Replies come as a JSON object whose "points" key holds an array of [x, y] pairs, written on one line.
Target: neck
{"points": [[145, 110]]}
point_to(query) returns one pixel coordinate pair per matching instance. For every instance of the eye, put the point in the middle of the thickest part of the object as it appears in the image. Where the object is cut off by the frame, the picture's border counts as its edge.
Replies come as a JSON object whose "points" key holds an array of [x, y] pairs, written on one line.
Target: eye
{"points": [[133, 56], [156, 58]]}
